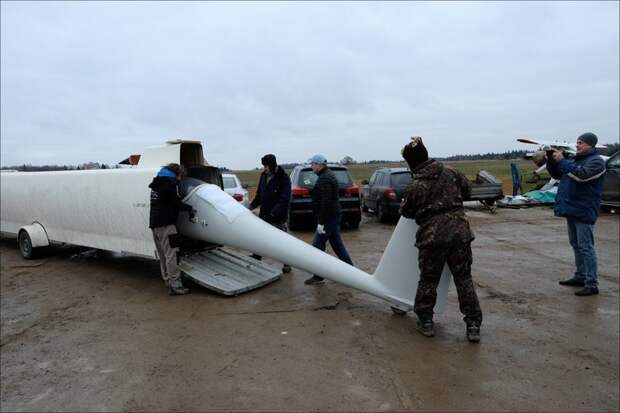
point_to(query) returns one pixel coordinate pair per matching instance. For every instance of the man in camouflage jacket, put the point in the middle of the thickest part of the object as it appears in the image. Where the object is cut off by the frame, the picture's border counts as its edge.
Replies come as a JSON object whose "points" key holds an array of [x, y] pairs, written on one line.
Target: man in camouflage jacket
{"points": [[435, 200]]}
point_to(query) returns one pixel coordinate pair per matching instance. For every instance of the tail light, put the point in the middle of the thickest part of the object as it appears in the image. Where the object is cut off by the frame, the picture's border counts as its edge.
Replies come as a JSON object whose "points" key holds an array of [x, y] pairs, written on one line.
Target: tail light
{"points": [[352, 190], [390, 194], [300, 192], [238, 197]]}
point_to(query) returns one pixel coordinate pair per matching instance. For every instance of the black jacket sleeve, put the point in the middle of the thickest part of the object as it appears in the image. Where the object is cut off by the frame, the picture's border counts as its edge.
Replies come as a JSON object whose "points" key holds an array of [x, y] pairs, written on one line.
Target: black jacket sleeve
{"points": [[257, 201], [171, 195]]}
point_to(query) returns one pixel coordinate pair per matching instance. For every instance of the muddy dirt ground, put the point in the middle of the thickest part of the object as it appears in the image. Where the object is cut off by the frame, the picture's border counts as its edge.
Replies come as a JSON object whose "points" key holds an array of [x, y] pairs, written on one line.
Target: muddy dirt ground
{"points": [[101, 334]]}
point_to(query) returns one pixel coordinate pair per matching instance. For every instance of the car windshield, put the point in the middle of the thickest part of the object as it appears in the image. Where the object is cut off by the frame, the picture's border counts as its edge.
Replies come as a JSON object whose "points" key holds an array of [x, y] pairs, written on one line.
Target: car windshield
{"points": [[229, 182], [308, 178], [401, 179]]}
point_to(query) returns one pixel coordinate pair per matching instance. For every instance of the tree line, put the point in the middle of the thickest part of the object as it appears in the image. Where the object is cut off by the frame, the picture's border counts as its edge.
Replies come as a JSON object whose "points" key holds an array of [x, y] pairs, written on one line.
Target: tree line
{"points": [[347, 160], [42, 168]]}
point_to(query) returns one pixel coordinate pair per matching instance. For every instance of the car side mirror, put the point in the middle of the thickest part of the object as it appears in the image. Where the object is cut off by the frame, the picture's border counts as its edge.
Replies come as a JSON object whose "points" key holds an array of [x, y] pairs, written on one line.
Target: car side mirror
{"points": [[365, 182], [244, 186]]}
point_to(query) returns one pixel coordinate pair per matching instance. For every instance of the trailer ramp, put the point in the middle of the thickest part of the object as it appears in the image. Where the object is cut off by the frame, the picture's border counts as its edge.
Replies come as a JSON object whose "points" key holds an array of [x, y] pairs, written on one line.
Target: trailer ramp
{"points": [[227, 272]]}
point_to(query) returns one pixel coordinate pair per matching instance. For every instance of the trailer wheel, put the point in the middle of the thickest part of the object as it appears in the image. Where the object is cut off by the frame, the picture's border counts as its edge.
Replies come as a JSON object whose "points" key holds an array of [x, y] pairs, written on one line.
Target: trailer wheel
{"points": [[490, 205], [25, 245]]}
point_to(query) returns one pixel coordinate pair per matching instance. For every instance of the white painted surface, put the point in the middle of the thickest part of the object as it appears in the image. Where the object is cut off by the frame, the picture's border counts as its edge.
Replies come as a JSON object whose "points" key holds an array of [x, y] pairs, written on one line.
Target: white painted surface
{"points": [[395, 279], [106, 209], [398, 268], [160, 155], [38, 236], [109, 210]]}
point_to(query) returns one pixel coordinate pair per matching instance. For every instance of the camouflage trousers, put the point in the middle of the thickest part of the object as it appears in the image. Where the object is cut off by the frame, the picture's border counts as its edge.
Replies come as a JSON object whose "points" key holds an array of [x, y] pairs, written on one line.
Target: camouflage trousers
{"points": [[432, 261]]}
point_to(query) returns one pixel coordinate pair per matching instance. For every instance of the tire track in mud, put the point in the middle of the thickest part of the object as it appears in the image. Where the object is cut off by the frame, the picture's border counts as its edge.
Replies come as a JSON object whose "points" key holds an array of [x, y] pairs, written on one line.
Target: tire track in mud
{"points": [[54, 314]]}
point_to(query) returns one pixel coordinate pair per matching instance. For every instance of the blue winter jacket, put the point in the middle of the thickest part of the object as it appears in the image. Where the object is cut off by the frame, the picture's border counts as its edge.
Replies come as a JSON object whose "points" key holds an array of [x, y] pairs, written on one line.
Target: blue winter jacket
{"points": [[581, 184]]}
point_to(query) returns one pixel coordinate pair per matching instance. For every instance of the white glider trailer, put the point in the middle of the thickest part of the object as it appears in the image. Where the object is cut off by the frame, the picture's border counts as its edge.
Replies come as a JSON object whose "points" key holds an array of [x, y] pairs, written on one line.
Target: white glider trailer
{"points": [[108, 209]]}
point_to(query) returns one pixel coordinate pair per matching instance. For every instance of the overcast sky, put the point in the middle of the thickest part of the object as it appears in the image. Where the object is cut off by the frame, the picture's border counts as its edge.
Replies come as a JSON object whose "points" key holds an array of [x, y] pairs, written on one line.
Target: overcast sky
{"points": [[96, 81]]}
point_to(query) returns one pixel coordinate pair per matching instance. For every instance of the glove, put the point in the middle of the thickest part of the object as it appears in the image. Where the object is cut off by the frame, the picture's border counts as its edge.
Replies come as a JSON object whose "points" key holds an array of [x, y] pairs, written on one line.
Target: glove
{"points": [[320, 229]]}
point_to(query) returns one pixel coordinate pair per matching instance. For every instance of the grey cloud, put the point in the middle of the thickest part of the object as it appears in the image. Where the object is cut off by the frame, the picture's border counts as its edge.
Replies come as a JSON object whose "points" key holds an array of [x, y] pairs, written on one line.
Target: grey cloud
{"points": [[97, 81]]}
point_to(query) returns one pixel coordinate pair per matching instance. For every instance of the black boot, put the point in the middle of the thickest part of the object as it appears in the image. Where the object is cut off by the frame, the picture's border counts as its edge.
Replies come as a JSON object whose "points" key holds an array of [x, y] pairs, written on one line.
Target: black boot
{"points": [[425, 327], [177, 288], [573, 282], [315, 279], [473, 332], [178, 291], [586, 291]]}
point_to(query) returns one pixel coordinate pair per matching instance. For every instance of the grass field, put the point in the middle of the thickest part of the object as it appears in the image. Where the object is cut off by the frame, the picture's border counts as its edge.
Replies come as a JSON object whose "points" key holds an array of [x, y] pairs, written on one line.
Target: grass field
{"points": [[499, 168]]}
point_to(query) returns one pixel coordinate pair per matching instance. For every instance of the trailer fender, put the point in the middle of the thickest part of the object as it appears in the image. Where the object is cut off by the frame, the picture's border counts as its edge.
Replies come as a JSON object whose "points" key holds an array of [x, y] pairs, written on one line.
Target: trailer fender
{"points": [[37, 234]]}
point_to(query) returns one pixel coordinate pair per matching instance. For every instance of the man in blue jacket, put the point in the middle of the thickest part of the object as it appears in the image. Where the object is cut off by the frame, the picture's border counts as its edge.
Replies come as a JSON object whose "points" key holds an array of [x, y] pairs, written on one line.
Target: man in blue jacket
{"points": [[273, 196], [165, 207], [578, 200]]}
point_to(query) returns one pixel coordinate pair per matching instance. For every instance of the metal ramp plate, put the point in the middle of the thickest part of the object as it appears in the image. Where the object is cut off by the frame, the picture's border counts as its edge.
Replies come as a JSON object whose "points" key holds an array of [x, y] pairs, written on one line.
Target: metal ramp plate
{"points": [[227, 272]]}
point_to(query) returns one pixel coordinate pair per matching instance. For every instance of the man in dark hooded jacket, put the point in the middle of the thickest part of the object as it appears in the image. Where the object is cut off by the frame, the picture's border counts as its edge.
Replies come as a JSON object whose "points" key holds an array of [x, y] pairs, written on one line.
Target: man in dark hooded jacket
{"points": [[578, 200], [165, 207], [273, 195], [435, 200]]}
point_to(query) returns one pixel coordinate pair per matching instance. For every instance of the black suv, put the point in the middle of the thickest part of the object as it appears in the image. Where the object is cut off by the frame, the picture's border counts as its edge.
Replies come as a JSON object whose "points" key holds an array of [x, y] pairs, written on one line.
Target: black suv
{"points": [[610, 198], [384, 192], [301, 212]]}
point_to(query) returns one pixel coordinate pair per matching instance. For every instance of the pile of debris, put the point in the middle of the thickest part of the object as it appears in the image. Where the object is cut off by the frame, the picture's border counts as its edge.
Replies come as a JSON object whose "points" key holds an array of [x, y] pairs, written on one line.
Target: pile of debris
{"points": [[543, 196]]}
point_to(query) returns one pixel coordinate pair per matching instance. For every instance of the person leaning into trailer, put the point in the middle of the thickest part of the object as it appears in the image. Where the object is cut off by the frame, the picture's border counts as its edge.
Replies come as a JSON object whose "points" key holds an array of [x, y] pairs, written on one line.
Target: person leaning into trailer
{"points": [[435, 200], [165, 207]]}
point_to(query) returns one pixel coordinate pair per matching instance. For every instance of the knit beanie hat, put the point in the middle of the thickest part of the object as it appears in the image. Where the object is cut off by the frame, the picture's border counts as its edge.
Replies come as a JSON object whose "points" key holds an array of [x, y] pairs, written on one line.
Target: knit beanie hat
{"points": [[270, 161], [415, 153], [588, 138]]}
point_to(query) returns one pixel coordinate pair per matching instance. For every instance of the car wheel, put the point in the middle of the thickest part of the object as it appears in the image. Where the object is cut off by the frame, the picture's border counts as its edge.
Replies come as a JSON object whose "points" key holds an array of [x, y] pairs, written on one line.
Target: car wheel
{"points": [[381, 216], [25, 245]]}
